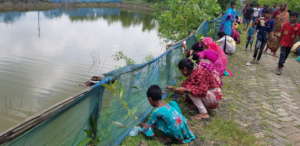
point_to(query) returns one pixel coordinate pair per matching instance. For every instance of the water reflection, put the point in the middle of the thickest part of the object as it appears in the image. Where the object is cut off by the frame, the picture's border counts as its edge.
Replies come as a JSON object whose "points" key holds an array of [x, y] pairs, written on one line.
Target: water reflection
{"points": [[10, 17], [37, 72], [112, 15]]}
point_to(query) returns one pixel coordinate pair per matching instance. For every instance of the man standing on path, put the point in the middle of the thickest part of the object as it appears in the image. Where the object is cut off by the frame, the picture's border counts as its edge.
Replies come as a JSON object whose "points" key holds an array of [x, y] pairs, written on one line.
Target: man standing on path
{"points": [[289, 32]]}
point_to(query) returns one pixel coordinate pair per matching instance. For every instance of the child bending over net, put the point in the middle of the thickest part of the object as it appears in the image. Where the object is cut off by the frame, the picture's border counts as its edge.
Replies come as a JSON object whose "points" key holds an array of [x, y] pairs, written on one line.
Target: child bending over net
{"points": [[167, 118]]}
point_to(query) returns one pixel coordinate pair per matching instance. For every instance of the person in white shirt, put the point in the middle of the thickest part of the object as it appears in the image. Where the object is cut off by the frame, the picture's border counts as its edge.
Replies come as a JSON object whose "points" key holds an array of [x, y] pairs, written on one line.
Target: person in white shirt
{"points": [[255, 13], [227, 43]]}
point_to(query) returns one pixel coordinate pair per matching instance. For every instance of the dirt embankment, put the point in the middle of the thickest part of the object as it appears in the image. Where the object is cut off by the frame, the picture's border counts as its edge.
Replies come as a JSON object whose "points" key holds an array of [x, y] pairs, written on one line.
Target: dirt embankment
{"points": [[33, 6]]}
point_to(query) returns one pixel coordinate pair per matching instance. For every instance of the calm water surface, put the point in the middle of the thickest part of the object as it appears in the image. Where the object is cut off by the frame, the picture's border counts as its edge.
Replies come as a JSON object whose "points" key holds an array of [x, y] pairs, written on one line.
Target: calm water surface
{"points": [[45, 56]]}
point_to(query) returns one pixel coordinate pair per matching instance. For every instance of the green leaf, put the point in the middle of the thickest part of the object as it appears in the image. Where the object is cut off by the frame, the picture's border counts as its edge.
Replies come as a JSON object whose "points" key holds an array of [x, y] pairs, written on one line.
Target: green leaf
{"points": [[178, 18], [85, 142], [121, 92], [119, 124]]}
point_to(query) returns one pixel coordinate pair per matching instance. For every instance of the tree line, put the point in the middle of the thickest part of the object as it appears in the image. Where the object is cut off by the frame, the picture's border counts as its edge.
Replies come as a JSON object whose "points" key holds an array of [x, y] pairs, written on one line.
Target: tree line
{"points": [[22, 1], [293, 5]]}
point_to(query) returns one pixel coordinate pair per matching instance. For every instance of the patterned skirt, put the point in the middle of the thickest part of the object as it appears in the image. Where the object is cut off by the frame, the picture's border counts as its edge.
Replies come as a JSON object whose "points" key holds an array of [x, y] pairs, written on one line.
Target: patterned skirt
{"points": [[273, 41]]}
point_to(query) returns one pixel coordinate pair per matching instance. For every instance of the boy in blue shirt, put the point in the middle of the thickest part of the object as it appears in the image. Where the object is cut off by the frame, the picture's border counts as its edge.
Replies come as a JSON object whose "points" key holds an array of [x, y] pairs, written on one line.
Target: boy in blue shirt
{"points": [[264, 26], [250, 35]]}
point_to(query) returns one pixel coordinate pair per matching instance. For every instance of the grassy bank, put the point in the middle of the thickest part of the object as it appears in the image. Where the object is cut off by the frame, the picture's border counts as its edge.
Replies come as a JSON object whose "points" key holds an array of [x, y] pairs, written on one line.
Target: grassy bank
{"points": [[39, 6], [223, 128], [219, 130]]}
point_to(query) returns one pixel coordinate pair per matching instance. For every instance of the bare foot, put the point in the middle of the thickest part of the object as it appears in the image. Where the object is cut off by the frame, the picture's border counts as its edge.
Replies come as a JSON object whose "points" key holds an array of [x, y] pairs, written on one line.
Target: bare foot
{"points": [[201, 116]]}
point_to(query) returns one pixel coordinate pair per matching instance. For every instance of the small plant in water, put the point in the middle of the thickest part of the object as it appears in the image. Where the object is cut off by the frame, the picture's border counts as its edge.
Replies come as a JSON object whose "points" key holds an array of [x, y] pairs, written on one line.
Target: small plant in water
{"points": [[149, 58], [119, 56], [118, 90]]}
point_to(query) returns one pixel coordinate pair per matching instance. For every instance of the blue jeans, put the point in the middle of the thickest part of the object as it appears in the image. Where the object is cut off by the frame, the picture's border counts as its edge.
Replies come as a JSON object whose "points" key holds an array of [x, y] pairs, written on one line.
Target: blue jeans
{"points": [[284, 54]]}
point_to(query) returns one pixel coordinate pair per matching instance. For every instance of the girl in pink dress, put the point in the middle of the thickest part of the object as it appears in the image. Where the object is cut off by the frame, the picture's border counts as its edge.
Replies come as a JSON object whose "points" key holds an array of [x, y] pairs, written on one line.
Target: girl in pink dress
{"points": [[212, 50]]}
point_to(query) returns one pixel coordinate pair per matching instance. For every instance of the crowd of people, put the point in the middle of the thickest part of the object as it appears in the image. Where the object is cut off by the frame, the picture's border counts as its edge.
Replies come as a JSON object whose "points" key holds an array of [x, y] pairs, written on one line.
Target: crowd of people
{"points": [[205, 65], [276, 27]]}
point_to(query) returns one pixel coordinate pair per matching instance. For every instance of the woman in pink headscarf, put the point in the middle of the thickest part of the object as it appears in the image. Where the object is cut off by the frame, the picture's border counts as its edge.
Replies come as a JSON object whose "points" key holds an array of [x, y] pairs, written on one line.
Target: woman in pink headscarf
{"points": [[219, 61]]}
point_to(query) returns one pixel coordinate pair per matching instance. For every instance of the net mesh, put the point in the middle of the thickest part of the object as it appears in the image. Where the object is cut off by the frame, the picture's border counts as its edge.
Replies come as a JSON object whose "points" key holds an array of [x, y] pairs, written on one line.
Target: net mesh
{"points": [[116, 104], [127, 105], [65, 126]]}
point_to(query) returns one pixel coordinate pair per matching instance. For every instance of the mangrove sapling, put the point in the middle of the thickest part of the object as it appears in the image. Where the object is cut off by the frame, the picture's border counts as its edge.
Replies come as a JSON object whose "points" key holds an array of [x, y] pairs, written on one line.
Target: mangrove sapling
{"points": [[115, 110], [118, 90], [92, 139], [120, 56]]}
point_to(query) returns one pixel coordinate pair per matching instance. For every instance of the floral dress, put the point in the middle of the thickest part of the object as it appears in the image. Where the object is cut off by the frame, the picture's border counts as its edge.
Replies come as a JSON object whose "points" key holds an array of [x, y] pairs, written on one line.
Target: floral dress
{"points": [[206, 85], [200, 81], [171, 122]]}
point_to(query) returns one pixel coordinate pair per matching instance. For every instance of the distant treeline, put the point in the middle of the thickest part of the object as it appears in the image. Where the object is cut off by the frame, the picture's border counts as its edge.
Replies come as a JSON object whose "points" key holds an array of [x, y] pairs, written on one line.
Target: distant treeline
{"points": [[33, 1], [23, 1]]}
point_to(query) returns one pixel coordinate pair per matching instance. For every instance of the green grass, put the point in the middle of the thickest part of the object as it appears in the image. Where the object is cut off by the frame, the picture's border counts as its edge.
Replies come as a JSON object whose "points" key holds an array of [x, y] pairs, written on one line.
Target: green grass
{"points": [[216, 131], [140, 140], [229, 133]]}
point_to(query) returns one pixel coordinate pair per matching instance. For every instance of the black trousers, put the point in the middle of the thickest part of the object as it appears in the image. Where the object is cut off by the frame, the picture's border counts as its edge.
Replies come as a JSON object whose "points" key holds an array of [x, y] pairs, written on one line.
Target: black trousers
{"points": [[259, 48], [284, 54]]}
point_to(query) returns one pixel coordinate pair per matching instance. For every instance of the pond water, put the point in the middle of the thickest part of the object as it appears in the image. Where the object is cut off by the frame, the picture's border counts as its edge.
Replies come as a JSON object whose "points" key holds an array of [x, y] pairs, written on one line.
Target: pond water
{"points": [[46, 55]]}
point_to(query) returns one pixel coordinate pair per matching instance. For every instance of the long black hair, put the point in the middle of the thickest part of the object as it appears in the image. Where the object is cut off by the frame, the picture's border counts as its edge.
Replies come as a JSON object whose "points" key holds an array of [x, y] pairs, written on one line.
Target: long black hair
{"points": [[186, 63]]}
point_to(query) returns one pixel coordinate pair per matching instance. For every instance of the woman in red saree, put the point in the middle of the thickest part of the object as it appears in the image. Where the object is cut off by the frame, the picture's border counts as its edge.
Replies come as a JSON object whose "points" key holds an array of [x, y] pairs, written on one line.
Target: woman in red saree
{"points": [[281, 16], [201, 86]]}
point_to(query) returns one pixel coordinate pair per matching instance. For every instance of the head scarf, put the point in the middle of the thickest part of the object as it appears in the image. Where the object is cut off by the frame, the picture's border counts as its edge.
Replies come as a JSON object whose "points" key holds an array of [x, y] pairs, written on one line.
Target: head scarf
{"points": [[208, 41], [219, 62], [210, 55]]}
